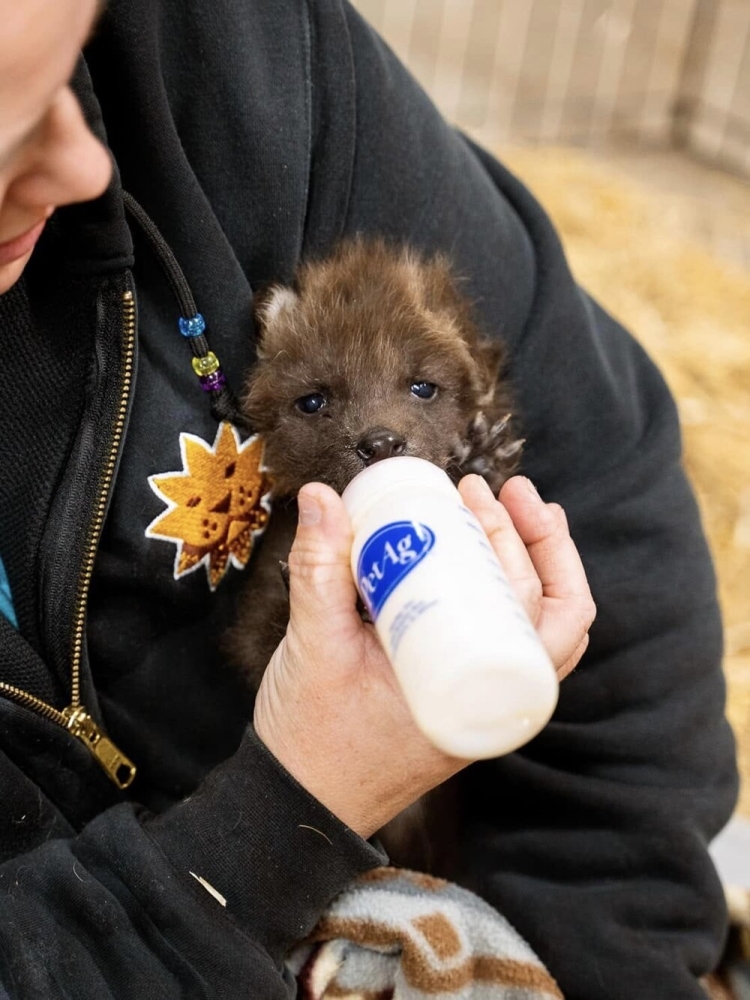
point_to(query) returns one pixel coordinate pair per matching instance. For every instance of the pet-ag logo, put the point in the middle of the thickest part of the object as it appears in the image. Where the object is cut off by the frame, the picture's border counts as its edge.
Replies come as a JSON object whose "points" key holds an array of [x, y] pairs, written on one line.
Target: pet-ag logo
{"points": [[387, 557]]}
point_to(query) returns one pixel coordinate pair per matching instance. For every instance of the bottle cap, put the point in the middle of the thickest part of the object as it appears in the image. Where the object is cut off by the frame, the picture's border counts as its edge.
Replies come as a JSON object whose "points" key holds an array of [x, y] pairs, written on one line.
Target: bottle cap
{"points": [[388, 474]]}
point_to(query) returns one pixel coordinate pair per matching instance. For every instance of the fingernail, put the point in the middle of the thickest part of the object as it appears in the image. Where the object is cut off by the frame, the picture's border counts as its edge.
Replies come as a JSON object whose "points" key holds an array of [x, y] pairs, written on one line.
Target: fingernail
{"points": [[310, 511], [531, 488], [484, 487], [559, 512]]}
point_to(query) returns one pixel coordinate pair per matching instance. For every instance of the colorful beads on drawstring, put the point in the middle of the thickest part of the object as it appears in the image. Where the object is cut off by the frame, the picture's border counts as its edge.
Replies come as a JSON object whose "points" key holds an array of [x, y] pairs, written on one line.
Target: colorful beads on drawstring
{"points": [[192, 326], [206, 365], [213, 382]]}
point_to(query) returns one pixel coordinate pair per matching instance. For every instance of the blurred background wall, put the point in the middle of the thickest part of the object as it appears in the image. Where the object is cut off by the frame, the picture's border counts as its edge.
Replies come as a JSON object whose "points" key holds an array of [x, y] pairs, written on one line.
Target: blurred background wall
{"points": [[630, 120], [587, 72]]}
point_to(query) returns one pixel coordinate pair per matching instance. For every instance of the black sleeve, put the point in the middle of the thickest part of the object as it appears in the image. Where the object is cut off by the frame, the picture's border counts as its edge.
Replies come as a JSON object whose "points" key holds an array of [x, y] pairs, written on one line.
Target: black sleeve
{"points": [[119, 911], [593, 839]]}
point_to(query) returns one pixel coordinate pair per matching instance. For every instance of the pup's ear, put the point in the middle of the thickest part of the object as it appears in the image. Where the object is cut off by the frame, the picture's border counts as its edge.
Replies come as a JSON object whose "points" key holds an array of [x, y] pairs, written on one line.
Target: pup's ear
{"points": [[269, 305]]}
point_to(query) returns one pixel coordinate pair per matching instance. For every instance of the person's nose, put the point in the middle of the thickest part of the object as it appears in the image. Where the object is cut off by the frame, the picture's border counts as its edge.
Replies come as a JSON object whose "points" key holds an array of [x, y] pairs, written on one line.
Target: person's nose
{"points": [[69, 164]]}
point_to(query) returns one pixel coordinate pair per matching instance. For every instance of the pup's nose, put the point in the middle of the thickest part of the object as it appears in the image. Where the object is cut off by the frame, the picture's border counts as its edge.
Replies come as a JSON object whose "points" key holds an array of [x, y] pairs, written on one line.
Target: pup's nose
{"points": [[379, 443]]}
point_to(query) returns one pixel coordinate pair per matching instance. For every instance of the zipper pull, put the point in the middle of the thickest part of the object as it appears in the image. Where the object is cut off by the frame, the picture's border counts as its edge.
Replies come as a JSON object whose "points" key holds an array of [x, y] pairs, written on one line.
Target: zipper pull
{"points": [[119, 768]]}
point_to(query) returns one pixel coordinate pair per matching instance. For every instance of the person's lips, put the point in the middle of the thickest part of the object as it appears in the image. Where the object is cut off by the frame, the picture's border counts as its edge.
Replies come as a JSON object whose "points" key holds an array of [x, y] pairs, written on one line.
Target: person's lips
{"points": [[21, 245]]}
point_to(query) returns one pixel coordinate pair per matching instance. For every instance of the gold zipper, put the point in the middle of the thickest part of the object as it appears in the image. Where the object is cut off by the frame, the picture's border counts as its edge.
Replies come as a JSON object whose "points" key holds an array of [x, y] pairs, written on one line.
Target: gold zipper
{"points": [[75, 718]]}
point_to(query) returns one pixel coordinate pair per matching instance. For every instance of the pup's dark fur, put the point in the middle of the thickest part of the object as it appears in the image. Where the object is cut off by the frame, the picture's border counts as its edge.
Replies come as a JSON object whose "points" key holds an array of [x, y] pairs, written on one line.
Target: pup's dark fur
{"points": [[358, 331]]}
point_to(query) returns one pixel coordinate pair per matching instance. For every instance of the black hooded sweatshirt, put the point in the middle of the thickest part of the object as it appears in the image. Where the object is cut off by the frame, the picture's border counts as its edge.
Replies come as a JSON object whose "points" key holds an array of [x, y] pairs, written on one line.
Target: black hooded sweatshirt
{"points": [[256, 133]]}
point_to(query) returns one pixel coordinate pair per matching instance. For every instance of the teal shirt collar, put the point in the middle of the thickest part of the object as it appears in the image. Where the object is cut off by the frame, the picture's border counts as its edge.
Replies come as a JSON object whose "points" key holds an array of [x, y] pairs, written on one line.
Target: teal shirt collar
{"points": [[6, 600]]}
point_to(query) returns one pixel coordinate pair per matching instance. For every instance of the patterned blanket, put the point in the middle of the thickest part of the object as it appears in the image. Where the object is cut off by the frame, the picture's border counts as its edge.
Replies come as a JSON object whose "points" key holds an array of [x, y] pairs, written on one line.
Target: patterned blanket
{"points": [[399, 935]]}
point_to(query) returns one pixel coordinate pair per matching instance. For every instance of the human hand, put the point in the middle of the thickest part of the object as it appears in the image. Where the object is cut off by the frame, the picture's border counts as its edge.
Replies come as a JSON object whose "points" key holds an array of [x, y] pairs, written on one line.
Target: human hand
{"points": [[532, 541], [329, 706]]}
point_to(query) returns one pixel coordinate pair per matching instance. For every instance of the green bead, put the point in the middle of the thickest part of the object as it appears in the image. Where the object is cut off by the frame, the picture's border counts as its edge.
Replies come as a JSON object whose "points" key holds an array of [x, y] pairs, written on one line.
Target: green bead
{"points": [[206, 365]]}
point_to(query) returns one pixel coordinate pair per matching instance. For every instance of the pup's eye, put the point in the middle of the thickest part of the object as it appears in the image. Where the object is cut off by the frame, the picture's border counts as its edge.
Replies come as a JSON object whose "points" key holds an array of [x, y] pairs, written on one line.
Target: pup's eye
{"points": [[425, 390], [312, 403]]}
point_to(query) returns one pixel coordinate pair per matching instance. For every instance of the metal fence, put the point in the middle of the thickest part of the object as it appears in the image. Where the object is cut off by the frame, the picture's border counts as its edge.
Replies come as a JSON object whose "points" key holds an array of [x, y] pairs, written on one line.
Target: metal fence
{"points": [[652, 72]]}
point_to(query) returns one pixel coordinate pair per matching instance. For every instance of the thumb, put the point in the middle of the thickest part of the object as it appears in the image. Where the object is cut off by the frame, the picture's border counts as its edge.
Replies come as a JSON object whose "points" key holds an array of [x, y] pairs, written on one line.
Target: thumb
{"points": [[322, 591]]}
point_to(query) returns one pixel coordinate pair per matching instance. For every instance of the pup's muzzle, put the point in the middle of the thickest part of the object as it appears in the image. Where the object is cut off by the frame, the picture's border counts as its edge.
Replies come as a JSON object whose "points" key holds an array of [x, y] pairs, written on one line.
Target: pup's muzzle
{"points": [[379, 443]]}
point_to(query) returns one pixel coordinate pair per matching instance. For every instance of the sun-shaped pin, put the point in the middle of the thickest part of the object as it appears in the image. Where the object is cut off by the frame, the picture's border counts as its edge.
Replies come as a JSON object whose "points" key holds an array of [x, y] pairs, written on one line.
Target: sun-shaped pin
{"points": [[216, 505]]}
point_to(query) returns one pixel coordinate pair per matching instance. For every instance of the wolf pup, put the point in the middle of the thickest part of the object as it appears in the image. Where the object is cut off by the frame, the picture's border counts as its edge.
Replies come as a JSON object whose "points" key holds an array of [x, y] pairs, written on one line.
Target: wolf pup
{"points": [[373, 353]]}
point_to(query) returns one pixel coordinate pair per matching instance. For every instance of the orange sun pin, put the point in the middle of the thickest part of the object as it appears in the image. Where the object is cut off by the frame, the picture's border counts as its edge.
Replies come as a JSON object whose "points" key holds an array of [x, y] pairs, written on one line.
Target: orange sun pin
{"points": [[217, 505]]}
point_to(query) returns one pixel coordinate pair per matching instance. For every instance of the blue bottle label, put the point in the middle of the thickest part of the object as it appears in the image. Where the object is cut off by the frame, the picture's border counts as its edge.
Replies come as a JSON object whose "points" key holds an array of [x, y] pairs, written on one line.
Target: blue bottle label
{"points": [[387, 557]]}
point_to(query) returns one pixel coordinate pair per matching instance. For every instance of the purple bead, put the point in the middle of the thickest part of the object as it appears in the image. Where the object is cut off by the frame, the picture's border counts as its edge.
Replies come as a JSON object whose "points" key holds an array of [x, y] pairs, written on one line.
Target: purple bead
{"points": [[210, 383], [192, 327]]}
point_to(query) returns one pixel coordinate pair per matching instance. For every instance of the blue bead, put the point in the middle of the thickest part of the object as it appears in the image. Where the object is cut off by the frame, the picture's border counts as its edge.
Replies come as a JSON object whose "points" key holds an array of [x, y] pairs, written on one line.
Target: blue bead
{"points": [[192, 327]]}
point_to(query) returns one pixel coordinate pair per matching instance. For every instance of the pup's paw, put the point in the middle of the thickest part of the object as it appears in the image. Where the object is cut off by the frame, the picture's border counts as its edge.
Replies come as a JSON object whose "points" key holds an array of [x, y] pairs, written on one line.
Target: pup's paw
{"points": [[490, 450]]}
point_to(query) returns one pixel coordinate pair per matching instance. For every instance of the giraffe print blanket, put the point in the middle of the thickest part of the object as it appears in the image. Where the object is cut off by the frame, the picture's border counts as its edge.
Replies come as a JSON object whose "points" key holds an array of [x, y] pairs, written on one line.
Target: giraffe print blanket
{"points": [[400, 935]]}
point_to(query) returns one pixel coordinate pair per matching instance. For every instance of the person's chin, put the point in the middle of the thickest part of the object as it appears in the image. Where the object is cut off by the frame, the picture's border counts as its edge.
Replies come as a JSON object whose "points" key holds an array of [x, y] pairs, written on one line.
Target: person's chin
{"points": [[10, 273]]}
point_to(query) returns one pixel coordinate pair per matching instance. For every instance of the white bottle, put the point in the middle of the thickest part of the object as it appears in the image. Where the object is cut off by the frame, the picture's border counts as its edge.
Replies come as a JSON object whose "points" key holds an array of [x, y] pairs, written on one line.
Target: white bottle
{"points": [[472, 667]]}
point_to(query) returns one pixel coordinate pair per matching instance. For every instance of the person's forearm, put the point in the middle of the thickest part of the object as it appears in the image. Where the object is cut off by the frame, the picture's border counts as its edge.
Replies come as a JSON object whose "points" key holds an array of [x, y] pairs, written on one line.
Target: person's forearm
{"points": [[213, 891]]}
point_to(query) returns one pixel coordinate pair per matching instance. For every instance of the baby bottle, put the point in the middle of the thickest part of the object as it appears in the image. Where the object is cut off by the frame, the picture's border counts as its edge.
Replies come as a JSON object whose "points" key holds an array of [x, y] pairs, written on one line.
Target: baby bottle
{"points": [[472, 668]]}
